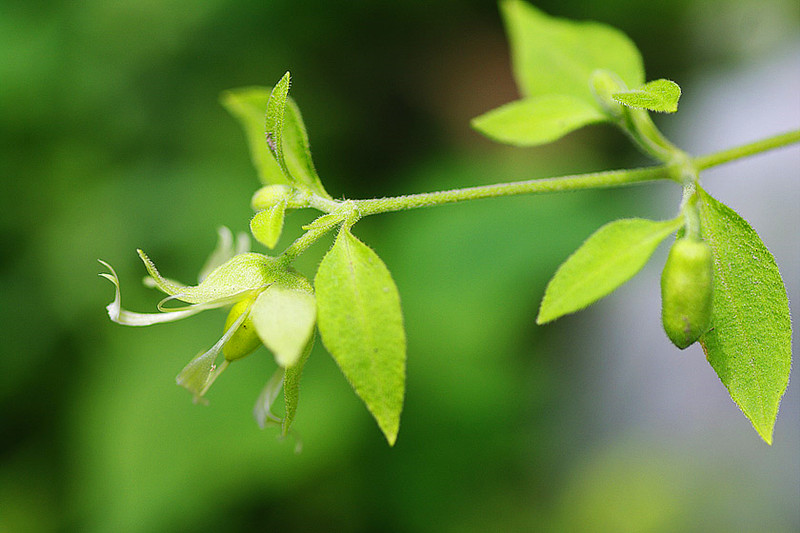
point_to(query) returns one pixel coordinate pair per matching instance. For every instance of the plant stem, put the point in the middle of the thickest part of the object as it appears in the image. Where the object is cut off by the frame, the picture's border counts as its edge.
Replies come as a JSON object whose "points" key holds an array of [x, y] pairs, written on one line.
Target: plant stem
{"points": [[596, 180], [746, 150]]}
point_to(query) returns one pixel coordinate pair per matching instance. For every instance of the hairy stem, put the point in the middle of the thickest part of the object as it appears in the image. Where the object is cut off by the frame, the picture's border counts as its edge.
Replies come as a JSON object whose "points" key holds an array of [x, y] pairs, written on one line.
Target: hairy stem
{"points": [[597, 180], [746, 150]]}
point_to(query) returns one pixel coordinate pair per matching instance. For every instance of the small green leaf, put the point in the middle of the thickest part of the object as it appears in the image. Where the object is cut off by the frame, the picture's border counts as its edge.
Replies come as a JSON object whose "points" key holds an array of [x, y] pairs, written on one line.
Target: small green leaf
{"points": [[362, 327], [267, 224], [657, 95], [609, 258], [270, 117], [291, 387], [537, 120], [248, 105], [276, 109], [557, 56], [284, 316], [749, 344], [297, 150]]}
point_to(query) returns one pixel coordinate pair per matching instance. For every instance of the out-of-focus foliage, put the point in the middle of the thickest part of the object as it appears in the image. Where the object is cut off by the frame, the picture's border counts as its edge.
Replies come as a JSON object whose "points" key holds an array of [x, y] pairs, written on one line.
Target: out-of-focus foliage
{"points": [[113, 139]]}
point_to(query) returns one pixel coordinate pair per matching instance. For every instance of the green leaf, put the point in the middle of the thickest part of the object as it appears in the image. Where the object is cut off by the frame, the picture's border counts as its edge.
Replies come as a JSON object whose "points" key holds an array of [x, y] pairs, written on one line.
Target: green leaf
{"points": [[557, 56], [537, 120], [750, 341], [248, 105], [609, 258], [658, 95], [284, 317], [362, 327], [276, 109], [291, 387], [267, 224]]}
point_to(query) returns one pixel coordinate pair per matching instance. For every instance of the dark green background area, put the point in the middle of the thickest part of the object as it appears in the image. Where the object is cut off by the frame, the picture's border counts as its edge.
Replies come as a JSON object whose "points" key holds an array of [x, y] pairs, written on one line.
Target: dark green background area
{"points": [[113, 139]]}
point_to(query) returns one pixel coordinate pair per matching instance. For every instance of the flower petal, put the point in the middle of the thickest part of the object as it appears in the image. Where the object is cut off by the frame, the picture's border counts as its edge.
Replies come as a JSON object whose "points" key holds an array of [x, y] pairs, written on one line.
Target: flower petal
{"points": [[262, 411], [200, 373], [129, 318]]}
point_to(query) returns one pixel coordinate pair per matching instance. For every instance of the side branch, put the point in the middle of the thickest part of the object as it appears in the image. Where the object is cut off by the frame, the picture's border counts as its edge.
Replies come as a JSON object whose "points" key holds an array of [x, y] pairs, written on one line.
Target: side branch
{"points": [[597, 180]]}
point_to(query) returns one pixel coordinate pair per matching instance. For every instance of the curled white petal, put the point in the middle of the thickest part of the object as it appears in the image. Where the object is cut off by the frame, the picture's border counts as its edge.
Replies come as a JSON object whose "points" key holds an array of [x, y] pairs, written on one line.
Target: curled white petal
{"points": [[262, 411], [129, 318], [201, 371]]}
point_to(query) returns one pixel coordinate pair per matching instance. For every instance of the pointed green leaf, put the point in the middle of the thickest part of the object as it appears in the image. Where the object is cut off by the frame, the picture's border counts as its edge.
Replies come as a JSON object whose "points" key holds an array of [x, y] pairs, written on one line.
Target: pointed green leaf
{"points": [[750, 341], [284, 318], [276, 134], [657, 95], [248, 105], [362, 327], [537, 120], [557, 56], [297, 150], [291, 387], [276, 109], [609, 258], [267, 224]]}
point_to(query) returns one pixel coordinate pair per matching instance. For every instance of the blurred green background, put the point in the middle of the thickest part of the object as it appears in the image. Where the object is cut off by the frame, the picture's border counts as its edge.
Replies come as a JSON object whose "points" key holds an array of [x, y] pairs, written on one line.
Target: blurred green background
{"points": [[113, 139]]}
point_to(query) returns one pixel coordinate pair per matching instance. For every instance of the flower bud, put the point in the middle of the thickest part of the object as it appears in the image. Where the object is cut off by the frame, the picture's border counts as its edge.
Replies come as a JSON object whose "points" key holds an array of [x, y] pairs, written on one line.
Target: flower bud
{"points": [[686, 291], [270, 195], [245, 339]]}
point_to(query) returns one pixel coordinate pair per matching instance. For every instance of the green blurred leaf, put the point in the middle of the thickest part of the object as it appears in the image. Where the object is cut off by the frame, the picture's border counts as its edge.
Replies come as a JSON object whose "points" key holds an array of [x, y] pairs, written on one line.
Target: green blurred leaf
{"points": [[284, 318], [267, 224], [537, 120], [248, 105], [657, 95], [609, 258], [362, 327], [557, 56], [291, 386], [750, 341]]}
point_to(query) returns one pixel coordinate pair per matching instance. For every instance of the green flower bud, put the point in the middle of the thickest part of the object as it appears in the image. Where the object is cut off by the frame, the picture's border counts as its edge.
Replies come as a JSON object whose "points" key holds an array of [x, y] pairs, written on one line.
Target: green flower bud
{"points": [[270, 195], [245, 339], [686, 291]]}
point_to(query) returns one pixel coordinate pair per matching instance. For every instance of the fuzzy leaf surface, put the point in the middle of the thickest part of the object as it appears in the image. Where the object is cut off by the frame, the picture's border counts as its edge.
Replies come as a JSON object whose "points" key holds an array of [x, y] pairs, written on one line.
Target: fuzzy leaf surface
{"points": [[610, 256], [291, 387], [749, 344], [657, 95], [537, 120], [361, 324], [260, 114], [248, 105], [557, 56]]}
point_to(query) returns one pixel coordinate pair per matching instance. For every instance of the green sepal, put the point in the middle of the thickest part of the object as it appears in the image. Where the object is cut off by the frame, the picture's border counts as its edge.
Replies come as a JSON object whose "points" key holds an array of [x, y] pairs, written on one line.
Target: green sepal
{"points": [[537, 120], [658, 95], [229, 281], [291, 387], [361, 325], [610, 256], [557, 56], [284, 315], [267, 225], [749, 344]]}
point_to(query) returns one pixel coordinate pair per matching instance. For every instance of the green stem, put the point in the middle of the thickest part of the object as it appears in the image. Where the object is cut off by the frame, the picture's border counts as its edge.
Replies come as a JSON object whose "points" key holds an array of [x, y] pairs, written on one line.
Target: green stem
{"points": [[597, 180], [745, 150]]}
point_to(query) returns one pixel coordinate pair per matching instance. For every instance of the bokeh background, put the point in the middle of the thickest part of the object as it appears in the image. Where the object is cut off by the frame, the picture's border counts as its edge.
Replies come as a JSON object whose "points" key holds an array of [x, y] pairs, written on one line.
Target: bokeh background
{"points": [[112, 139]]}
